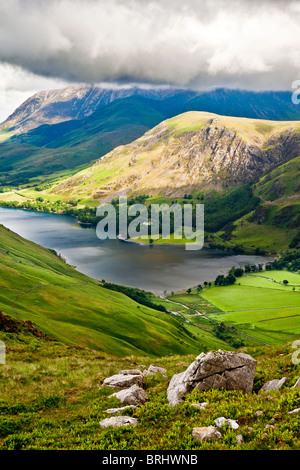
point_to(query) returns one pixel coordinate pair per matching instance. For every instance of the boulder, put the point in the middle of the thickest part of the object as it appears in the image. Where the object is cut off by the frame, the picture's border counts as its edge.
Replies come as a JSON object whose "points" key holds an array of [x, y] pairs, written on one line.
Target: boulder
{"points": [[230, 422], [119, 421], [121, 381], [152, 370], [216, 369], [206, 433], [275, 384], [131, 396]]}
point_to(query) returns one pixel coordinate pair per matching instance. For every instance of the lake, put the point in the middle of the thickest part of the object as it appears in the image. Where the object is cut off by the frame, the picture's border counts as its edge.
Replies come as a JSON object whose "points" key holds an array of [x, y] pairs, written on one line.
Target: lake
{"points": [[152, 268]]}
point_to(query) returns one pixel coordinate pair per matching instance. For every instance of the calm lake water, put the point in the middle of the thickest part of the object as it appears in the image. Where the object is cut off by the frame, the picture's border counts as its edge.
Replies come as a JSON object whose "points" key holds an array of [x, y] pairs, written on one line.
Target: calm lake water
{"points": [[155, 268]]}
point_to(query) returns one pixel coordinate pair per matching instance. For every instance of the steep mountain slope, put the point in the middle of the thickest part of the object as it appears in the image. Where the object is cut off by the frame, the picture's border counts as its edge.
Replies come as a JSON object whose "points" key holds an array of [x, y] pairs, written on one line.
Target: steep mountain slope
{"points": [[74, 102], [192, 152], [37, 285], [275, 223], [80, 101], [65, 146]]}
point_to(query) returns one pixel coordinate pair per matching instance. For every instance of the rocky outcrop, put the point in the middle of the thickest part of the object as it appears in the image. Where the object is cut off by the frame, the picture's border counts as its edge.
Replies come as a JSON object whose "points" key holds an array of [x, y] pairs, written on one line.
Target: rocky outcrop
{"points": [[216, 369]]}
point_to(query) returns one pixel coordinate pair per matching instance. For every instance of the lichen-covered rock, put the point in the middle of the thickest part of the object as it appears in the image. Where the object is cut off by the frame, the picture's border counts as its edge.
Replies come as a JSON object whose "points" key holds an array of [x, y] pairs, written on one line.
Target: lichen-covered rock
{"points": [[119, 421], [215, 370], [131, 396]]}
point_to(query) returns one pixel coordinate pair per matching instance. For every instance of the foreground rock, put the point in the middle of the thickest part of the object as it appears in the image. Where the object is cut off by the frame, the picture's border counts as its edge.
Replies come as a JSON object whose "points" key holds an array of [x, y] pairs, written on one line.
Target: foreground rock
{"points": [[206, 433], [216, 369], [131, 396], [124, 380], [275, 384], [119, 421]]}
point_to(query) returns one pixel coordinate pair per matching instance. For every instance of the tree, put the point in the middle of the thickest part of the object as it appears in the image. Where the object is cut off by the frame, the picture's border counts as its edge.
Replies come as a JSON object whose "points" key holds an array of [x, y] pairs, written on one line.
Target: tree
{"points": [[285, 282]]}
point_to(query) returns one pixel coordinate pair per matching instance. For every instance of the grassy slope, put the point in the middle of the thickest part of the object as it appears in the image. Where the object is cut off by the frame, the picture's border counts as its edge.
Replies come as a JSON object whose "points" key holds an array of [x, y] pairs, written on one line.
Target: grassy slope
{"points": [[67, 305], [275, 223], [51, 398]]}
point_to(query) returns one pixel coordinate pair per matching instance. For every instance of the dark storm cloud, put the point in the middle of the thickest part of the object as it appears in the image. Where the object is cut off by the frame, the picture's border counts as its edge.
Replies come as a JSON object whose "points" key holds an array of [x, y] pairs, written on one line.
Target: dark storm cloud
{"points": [[248, 44]]}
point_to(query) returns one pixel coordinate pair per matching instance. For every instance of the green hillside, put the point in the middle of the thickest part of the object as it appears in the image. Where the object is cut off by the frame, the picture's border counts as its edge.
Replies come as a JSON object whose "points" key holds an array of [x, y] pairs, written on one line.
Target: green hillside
{"points": [[275, 223], [54, 149], [52, 398], [37, 285]]}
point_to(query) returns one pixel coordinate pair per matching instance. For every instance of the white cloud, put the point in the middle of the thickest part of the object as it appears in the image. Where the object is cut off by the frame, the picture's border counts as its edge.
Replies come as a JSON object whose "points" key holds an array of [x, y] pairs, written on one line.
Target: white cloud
{"points": [[248, 44], [16, 85]]}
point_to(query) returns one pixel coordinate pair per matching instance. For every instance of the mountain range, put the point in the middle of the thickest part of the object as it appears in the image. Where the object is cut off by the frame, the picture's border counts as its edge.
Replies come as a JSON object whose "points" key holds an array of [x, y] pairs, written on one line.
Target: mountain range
{"points": [[239, 154], [58, 132]]}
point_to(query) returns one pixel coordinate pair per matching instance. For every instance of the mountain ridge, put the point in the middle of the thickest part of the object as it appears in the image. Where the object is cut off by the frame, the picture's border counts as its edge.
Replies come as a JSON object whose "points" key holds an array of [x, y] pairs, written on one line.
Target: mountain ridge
{"points": [[193, 151]]}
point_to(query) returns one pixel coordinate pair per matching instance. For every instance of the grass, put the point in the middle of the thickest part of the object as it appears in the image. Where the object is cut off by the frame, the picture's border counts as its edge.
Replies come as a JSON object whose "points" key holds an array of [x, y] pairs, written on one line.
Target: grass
{"points": [[258, 307], [52, 398], [36, 285]]}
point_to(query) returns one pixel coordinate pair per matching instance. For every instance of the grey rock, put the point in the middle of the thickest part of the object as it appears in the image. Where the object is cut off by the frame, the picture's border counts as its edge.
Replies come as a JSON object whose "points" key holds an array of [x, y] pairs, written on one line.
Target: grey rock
{"points": [[121, 381], [230, 422], [239, 439], [275, 384], [296, 410], [131, 396], [297, 384], [216, 369], [152, 370], [119, 421], [115, 411], [206, 433], [269, 426], [131, 372]]}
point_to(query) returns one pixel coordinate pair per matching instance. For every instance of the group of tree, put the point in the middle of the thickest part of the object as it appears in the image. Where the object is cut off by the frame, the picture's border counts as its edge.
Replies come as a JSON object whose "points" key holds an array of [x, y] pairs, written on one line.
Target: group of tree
{"points": [[139, 296]]}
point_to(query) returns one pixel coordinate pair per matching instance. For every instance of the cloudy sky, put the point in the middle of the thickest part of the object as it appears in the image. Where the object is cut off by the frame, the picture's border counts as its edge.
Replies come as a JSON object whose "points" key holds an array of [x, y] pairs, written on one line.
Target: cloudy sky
{"points": [[44, 44]]}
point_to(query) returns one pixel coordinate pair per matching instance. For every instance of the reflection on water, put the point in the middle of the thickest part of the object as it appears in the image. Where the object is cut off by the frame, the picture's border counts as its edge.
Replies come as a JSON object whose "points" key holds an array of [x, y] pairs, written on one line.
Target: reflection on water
{"points": [[155, 268]]}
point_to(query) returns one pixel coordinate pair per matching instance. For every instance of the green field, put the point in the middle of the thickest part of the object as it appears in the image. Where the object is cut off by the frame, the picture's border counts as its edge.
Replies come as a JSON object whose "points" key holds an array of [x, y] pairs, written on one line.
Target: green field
{"points": [[260, 308], [52, 398]]}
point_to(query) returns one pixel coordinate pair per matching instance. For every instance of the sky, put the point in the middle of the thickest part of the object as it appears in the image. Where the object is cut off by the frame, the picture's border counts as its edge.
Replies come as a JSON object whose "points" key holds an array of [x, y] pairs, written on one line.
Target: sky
{"points": [[46, 44]]}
